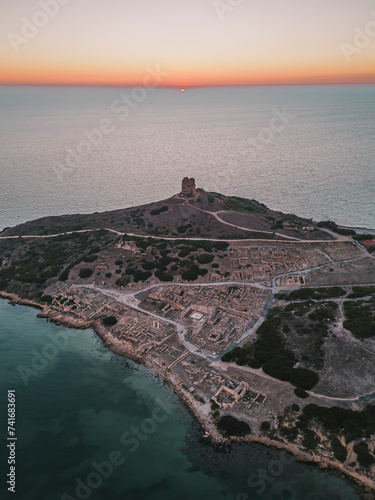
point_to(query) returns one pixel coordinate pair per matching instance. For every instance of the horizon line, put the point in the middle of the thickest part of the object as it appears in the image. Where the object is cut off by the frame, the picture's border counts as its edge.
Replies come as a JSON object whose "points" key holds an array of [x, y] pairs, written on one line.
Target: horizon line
{"points": [[178, 87]]}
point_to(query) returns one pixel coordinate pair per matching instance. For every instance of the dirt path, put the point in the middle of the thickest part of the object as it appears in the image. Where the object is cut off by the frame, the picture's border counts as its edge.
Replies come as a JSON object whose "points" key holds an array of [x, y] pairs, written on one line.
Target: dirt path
{"points": [[179, 238]]}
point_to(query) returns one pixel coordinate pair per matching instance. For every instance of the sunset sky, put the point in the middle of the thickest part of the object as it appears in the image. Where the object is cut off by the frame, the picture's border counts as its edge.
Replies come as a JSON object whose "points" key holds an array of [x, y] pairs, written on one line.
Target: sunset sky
{"points": [[196, 42]]}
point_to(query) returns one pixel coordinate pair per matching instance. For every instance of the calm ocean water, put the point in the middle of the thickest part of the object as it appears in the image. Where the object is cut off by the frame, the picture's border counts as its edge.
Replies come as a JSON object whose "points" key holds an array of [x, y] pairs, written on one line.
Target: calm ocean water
{"points": [[80, 399], [308, 150]]}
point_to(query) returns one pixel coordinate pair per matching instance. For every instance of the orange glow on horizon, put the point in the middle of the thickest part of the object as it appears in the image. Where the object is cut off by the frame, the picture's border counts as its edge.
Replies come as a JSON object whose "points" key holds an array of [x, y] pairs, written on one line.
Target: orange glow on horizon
{"points": [[186, 73], [254, 43], [44, 75]]}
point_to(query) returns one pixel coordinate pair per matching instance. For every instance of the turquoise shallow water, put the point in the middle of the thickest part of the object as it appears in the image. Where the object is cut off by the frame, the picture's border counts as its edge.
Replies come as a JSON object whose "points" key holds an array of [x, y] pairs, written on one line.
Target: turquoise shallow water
{"points": [[82, 404]]}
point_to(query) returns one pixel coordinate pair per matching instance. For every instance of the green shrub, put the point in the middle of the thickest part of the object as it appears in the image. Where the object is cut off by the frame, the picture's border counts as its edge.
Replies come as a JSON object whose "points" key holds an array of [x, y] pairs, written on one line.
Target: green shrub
{"points": [[254, 363], [109, 321], [265, 426], [300, 393], [202, 272], [158, 211], [184, 253], [182, 229], [361, 237], [190, 275], [64, 276], [329, 224], [123, 281], [85, 273], [289, 432], [310, 441], [365, 459], [360, 318], [233, 427], [339, 449], [90, 258], [162, 276], [210, 197], [46, 298], [143, 244], [242, 356], [304, 378], [148, 265], [361, 291], [315, 293], [141, 275], [354, 424], [205, 258]]}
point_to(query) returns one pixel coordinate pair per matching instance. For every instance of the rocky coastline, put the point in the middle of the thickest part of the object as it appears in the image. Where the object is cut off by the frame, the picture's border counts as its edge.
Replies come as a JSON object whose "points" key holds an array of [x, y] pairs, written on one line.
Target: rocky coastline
{"points": [[198, 410]]}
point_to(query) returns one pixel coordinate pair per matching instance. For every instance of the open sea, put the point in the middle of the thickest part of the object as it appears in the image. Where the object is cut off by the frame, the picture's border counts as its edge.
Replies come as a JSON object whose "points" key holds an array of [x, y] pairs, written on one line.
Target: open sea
{"points": [[308, 150], [303, 149]]}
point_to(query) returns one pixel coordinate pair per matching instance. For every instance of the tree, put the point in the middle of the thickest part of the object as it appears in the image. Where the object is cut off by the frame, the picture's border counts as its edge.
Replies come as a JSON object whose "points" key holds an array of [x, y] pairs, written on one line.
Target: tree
{"points": [[205, 258], [162, 276], [265, 426], [300, 393], [233, 427], [109, 321], [85, 273]]}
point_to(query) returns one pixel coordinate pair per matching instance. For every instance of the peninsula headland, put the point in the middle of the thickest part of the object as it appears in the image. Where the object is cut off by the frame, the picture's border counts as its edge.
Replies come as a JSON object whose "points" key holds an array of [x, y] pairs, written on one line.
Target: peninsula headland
{"points": [[262, 322]]}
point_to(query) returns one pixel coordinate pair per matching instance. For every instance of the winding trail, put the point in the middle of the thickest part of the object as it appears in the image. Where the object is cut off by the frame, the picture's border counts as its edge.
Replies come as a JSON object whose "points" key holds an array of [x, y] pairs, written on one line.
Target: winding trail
{"points": [[289, 239], [166, 238], [336, 237]]}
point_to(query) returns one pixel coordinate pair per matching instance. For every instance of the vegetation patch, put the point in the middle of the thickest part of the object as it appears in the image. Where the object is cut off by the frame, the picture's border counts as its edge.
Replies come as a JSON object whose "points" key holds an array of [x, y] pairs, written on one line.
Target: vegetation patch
{"points": [[158, 211], [162, 276], [232, 427], [205, 258], [90, 258], [310, 440], [313, 293], [329, 224], [364, 457], [352, 424], [85, 272], [361, 291], [109, 321], [243, 205], [339, 449], [47, 299], [265, 426], [290, 342], [300, 393], [360, 318], [123, 281], [242, 356]]}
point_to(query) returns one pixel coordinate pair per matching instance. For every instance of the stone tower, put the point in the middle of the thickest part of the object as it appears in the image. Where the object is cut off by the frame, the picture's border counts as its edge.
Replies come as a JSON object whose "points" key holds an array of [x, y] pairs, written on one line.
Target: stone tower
{"points": [[188, 187]]}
